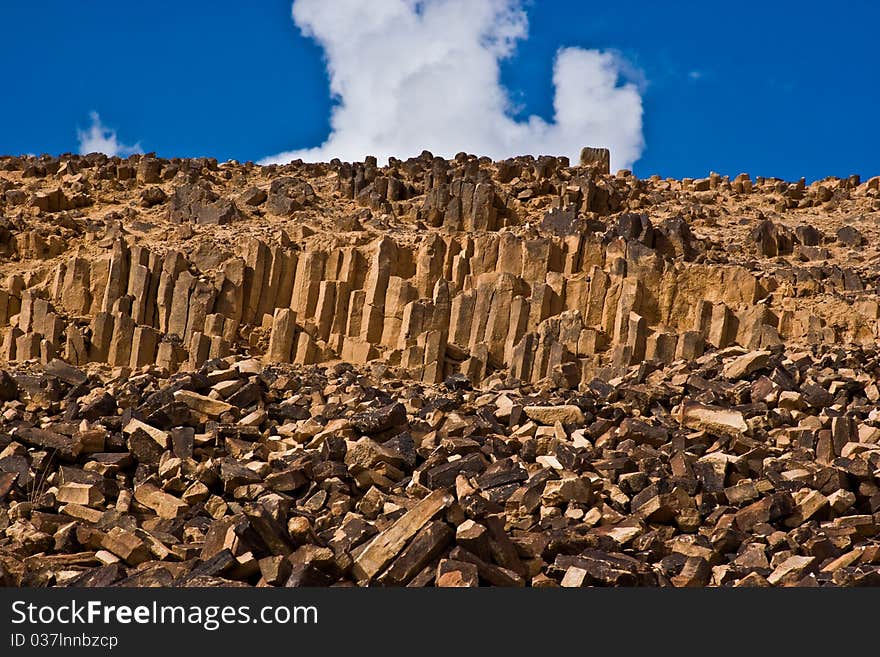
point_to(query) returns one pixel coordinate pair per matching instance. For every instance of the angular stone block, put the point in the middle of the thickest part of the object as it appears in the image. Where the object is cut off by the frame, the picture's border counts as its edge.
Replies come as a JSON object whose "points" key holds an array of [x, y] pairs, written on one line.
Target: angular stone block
{"points": [[27, 346], [201, 304], [660, 347], [199, 350], [637, 335], [629, 302], [172, 265], [75, 351], [306, 351], [461, 318], [169, 356], [722, 329], [9, 343], [177, 314], [355, 313], [119, 353], [282, 336], [144, 345], [117, 276], [102, 335], [324, 308], [355, 350], [690, 345], [75, 294], [26, 314], [306, 286], [219, 347], [599, 283]]}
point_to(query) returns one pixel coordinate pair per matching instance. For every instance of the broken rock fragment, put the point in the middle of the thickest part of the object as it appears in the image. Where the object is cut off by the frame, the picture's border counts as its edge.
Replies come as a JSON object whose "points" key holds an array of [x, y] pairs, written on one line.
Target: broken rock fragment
{"points": [[712, 419]]}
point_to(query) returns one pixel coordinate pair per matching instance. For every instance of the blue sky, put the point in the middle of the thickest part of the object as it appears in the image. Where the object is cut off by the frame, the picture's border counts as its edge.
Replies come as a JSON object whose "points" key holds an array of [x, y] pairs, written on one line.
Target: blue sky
{"points": [[784, 88]]}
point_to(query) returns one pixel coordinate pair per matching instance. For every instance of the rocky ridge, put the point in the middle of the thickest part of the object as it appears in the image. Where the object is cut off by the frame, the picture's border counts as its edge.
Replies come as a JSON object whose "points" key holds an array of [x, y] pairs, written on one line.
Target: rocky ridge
{"points": [[436, 372]]}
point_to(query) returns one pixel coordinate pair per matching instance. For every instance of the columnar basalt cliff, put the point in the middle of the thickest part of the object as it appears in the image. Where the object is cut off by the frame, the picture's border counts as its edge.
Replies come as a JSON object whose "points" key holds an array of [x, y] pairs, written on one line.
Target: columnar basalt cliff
{"points": [[436, 371], [527, 269]]}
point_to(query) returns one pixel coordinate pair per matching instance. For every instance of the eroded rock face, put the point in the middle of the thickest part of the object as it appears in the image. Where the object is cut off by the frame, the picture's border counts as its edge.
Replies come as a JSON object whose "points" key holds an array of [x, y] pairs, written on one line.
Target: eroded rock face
{"points": [[435, 372], [588, 297], [543, 270], [196, 204], [287, 195]]}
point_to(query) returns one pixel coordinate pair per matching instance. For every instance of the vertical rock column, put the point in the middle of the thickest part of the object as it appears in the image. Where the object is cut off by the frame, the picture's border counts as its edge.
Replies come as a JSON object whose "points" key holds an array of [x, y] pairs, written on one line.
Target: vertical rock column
{"points": [[173, 264], [367, 310], [256, 257], [117, 275], [281, 340]]}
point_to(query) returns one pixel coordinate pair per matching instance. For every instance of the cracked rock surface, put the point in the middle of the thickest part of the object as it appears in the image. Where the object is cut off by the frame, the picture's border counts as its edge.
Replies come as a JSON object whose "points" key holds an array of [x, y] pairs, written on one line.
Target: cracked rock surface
{"points": [[435, 373]]}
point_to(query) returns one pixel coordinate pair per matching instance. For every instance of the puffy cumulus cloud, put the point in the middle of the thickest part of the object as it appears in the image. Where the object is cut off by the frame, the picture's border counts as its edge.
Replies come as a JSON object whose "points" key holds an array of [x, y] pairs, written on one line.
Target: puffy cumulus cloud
{"points": [[98, 138], [409, 75]]}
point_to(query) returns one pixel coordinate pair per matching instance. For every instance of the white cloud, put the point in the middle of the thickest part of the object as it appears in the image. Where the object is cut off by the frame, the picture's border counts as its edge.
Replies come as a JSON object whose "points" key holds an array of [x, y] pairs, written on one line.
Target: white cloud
{"points": [[101, 139], [409, 75]]}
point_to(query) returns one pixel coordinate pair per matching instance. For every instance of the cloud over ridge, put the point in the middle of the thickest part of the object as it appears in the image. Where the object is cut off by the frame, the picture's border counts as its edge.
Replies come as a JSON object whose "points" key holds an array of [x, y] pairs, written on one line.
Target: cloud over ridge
{"points": [[409, 75], [98, 138]]}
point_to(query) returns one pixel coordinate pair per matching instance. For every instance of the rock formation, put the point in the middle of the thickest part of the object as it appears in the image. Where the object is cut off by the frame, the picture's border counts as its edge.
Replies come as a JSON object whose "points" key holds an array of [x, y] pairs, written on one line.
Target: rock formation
{"points": [[448, 372]]}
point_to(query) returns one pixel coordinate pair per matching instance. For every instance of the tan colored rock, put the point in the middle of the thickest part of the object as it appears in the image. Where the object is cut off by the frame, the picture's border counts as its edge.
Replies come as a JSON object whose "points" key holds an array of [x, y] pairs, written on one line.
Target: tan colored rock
{"points": [[550, 415], [281, 341], [145, 341], [82, 494], [382, 549], [165, 505], [791, 570], [119, 352], [558, 492], [202, 404], [162, 438], [125, 545], [712, 419], [744, 365]]}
